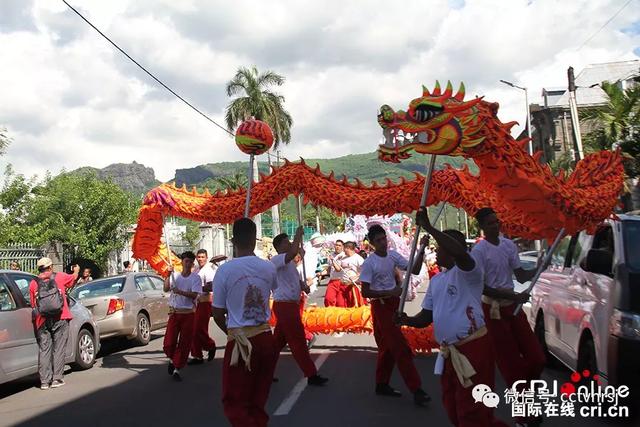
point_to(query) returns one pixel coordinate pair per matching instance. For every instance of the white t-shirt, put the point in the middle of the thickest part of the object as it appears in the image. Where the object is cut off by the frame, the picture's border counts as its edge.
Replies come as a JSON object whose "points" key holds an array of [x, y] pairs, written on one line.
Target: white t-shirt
{"points": [[379, 271], [206, 274], [454, 297], [498, 262], [351, 267], [191, 283], [288, 279], [333, 273], [243, 286]]}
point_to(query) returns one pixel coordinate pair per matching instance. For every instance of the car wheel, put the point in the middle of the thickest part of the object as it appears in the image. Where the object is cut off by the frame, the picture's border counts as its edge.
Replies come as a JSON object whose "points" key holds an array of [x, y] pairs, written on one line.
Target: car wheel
{"points": [[587, 356], [85, 350], [143, 330]]}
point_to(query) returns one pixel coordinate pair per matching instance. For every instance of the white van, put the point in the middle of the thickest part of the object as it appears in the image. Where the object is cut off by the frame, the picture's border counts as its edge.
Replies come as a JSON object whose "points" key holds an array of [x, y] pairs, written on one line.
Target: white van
{"points": [[585, 309]]}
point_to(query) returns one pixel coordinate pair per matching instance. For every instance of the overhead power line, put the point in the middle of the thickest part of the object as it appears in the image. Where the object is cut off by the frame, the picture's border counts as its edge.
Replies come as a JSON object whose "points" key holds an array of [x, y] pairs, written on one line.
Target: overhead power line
{"points": [[605, 24], [147, 71]]}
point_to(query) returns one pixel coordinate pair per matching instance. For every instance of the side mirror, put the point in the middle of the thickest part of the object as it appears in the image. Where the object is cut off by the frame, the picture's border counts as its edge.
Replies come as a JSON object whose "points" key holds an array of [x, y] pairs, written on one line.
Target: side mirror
{"points": [[599, 261]]}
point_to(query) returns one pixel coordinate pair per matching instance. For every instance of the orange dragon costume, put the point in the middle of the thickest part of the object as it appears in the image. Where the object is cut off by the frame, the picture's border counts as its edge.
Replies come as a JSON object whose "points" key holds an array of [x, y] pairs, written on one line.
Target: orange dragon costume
{"points": [[531, 202]]}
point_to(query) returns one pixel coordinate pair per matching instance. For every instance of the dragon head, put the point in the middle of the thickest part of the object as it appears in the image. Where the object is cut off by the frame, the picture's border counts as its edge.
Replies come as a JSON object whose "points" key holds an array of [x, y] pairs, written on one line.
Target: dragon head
{"points": [[436, 123]]}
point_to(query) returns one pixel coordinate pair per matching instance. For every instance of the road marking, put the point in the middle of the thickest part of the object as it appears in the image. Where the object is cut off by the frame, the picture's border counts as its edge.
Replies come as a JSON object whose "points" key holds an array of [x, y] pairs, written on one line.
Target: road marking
{"points": [[292, 398]]}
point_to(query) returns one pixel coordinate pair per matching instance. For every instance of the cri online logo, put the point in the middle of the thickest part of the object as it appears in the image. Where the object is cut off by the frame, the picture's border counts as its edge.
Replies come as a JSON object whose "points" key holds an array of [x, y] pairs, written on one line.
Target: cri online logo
{"points": [[569, 388]]}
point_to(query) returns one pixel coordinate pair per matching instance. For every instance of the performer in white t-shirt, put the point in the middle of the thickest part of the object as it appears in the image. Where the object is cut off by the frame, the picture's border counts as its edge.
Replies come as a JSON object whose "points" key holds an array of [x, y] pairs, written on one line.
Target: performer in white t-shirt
{"points": [[378, 280], [286, 305], [333, 296], [201, 339], [519, 355], [185, 288], [453, 304], [351, 266], [241, 291]]}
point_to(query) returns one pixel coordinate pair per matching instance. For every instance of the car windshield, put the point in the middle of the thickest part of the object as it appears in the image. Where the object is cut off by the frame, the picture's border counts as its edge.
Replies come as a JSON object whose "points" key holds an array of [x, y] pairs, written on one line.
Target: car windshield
{"points": [[99, 288], [632, 244]]}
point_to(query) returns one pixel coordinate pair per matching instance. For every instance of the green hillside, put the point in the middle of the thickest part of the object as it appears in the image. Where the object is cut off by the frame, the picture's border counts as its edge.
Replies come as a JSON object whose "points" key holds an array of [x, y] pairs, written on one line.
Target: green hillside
{"points": [[366, 167]]}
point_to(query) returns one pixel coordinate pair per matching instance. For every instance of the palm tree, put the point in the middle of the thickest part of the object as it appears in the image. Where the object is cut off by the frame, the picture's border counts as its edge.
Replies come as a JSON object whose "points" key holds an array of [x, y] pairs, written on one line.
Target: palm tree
{"points": [[5, 140], [255, 99], [259, 102], [617, 124], [232, 182]]}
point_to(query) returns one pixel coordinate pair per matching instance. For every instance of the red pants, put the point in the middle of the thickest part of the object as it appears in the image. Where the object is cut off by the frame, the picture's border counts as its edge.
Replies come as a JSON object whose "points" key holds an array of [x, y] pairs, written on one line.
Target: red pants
{"points": [[519, 355], [392, 346], [289, 330], [460, 405], [335, 294], [244, 392], [201, 339], [177, 338]]}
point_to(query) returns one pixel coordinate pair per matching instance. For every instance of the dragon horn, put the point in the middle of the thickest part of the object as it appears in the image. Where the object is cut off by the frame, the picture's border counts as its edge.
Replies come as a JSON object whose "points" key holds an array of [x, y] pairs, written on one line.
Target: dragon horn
{"points": [[436, 90], [425, 91], [460, 95], [449, 90]]}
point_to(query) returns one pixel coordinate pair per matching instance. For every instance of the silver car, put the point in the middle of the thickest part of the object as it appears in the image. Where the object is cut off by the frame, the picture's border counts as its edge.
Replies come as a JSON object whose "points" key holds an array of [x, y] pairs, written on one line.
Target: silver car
{"points": [[18, 346], [130, 305], [586, 306]]}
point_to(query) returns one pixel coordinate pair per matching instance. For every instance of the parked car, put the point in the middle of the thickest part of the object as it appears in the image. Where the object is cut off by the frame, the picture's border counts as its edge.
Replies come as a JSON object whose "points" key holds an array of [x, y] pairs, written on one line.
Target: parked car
{"points": [[585, 309], [18, 346], [130, 305]]}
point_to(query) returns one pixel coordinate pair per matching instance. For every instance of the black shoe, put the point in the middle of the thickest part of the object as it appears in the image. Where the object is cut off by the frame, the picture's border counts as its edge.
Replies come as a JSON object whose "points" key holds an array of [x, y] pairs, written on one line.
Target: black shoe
{"points": [[176, 375], [195, 361], [170, 368], [211, 355], [387, 390], [317, 380], [275, 379], [421, 398]]}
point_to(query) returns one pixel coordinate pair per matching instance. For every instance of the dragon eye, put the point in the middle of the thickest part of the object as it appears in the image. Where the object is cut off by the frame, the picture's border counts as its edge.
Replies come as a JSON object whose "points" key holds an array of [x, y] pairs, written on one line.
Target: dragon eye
{"points": [[426, 112]]}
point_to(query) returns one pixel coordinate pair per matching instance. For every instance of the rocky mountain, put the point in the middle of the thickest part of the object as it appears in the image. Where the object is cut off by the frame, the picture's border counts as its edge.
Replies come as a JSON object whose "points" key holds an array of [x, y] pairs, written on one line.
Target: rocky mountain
{"points": [[133, 177]]}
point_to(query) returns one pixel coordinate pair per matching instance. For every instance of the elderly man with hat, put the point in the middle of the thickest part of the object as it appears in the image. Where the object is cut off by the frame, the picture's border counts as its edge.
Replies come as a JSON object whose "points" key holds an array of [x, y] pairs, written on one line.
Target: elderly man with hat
{"points": [[52, 326]]}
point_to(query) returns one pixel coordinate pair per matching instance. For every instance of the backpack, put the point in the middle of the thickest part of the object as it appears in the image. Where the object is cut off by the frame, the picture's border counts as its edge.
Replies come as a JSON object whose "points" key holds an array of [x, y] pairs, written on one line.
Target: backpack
{"points": [[49, 302]]}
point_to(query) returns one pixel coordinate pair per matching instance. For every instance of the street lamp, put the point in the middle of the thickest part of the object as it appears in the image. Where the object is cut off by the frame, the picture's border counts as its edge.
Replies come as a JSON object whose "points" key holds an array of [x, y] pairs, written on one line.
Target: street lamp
{"points": [[526, 100]]}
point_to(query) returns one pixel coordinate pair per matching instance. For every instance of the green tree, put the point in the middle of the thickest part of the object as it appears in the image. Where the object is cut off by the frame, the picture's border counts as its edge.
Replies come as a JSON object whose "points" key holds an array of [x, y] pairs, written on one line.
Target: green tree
{"points": [[232, 182], [617, 123], [91, 217], [256, 99], [5, 140]]}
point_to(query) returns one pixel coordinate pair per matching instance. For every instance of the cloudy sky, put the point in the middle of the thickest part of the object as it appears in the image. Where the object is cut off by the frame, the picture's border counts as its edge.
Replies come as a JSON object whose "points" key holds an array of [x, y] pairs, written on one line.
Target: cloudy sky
{"points": [[69, 99]]}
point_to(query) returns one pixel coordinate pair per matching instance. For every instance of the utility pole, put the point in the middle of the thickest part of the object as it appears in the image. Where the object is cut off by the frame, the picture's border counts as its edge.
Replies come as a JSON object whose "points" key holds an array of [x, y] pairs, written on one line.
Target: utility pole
{"points": [[466, 224], [573, 109]]}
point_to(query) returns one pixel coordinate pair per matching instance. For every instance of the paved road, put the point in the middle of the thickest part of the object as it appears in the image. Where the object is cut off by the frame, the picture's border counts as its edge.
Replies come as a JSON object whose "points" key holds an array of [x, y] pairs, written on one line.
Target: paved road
{"points": [[129, 386]]}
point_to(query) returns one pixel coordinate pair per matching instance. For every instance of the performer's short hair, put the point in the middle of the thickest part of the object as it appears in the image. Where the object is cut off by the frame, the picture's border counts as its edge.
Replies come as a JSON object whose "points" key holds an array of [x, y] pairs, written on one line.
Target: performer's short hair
{"points": [[244, 232], [375, 230], [483, 213], [458, 236], [189, 255], [202, 251], [340, 241], [279, 239]]}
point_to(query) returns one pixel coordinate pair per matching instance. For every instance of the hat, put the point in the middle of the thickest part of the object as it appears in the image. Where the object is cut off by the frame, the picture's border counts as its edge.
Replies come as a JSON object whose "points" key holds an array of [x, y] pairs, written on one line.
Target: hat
{"points": [[44, 262], [218, 258], [317, 239]]}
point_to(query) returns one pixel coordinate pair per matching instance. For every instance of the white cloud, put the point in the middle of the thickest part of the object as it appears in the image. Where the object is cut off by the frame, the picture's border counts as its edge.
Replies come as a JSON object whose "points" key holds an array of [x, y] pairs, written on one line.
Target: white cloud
{"points": [[71, 100]]}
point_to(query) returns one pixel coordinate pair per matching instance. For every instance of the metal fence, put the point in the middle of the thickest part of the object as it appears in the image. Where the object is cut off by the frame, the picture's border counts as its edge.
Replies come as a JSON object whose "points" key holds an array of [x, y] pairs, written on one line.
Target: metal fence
{"points": [[24, 254]]}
